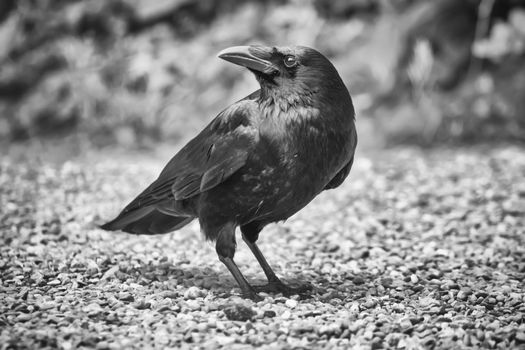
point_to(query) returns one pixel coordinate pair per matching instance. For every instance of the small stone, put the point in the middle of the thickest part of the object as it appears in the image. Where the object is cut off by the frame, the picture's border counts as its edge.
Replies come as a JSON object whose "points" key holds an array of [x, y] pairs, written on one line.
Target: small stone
{"points": [[480, 335], [23, 317], [354, 308], [414, 279], [387, 282], [193, 304], [102, 345], [461, 295], [369, 304], [91, 268], [224, 340], [449, 284], [239, 312], [467, 340], [47, 305], [405, 323], [269, 314], [520, 336], [193, 293], [434, 310], [142, 305], [202, 327], [286, 315], [358, 280], [125, 296], [110, 273], [329, 329], [170, 294], [92, 309], [291, 303], [53, 283]]}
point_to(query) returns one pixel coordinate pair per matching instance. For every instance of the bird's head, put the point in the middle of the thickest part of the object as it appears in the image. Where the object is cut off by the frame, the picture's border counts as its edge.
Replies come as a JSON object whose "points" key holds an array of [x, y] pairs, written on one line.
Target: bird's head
{"points": [[290, 74]]}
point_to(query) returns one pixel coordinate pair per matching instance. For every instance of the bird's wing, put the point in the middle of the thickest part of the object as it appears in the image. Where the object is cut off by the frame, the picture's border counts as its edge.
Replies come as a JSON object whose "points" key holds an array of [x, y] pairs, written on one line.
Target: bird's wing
{"points": [[207, 160], [338, 179]]}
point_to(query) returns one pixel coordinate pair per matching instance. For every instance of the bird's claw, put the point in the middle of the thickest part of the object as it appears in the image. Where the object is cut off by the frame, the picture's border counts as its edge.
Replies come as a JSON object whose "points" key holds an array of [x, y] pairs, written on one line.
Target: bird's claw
{"points": [[252, 295], [280, 287]]}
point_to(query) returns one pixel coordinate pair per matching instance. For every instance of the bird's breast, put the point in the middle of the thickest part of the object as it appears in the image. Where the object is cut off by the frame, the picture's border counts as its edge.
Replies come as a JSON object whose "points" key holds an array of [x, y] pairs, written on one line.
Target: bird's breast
{"points": [[304, 141], [295, 158]]}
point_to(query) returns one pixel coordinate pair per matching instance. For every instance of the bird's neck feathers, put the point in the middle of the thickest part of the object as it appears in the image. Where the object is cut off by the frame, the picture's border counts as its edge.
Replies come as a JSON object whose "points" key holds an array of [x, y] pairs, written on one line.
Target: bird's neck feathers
{"points": [[324, 101], [286, 97]]}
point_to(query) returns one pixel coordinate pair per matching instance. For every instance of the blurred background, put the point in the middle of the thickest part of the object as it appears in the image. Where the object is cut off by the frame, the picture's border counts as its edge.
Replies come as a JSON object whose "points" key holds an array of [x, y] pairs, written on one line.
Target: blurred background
{"points": [[136, 73]]}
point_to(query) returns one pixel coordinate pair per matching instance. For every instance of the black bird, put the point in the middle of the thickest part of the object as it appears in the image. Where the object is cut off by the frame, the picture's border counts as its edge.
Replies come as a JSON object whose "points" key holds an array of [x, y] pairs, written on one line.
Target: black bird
{"points": [[261, 160]]}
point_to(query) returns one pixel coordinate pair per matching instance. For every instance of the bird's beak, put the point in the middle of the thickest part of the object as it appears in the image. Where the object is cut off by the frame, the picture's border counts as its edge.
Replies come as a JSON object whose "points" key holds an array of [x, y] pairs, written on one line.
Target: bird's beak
{"points": [[252, 57]]}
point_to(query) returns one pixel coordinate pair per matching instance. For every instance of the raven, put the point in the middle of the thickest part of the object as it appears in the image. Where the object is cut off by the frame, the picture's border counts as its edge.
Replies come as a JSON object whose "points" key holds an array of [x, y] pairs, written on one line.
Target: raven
{"points": [[261, 160]]}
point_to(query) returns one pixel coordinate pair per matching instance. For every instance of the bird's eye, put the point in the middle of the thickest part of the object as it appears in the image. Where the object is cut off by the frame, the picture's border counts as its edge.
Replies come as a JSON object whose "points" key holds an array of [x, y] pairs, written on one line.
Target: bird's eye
{"points": [[289, 61]]}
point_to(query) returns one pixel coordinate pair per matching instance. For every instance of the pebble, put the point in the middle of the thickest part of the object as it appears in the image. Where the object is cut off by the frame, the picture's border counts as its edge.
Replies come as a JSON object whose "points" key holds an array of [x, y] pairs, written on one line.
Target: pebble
{"points": [[92, 309], [102, 345], [286, 315], [387, 282], [414, 279], [239, 312], [23, 317], [520, 336], [449, 284], [202, 327], [354, 308], [329, 329], [47, 305], [369, 304], [224, 340], [405, 323], [358, 280], [461, 295], [193, 293], [125, 296], [193, 304], [269, 313], [291, 303], [91, 268]]}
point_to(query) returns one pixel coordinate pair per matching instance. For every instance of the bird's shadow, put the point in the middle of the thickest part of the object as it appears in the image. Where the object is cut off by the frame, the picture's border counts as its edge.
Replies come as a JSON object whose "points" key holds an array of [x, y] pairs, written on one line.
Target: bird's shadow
{"points": [[224, 285]]}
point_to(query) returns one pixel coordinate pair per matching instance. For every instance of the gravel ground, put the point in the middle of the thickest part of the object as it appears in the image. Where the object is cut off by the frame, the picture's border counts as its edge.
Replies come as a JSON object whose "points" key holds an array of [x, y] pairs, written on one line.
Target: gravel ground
{"points": [[416, 250]]}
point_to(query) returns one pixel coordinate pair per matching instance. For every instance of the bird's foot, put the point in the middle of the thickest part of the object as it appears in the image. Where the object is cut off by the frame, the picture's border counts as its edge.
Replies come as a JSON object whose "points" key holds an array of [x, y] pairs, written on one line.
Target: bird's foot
{"points": [[280, 287], [252, 295]]}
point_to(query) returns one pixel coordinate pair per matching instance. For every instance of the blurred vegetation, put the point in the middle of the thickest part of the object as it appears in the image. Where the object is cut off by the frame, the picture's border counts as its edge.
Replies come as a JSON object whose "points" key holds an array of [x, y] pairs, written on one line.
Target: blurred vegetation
{"points": [[135, 72]]}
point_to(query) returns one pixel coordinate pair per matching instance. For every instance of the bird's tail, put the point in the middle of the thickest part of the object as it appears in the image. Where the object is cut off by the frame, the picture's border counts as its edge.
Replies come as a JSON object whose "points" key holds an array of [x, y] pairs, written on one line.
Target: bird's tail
{"points": [[148, 221]]}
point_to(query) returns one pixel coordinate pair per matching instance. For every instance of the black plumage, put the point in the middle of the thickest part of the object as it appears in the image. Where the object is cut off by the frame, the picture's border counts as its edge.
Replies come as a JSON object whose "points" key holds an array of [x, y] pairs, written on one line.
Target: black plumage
{"points": [[259, 161]]}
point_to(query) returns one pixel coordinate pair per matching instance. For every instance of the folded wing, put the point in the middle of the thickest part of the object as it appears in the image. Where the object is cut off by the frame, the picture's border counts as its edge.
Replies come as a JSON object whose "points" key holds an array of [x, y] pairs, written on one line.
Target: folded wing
{"points": [[205, 162]]}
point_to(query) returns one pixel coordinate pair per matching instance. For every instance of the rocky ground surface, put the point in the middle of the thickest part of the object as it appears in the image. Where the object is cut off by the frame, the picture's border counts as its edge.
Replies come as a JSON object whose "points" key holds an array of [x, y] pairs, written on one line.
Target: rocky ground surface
{"points": [[418, 249]]}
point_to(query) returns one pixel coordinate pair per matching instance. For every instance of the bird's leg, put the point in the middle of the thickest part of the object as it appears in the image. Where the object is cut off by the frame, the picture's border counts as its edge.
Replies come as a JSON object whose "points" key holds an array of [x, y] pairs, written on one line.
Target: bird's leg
{"points": [[225, 247], [274, 283], [247, 291], [270, 275]]}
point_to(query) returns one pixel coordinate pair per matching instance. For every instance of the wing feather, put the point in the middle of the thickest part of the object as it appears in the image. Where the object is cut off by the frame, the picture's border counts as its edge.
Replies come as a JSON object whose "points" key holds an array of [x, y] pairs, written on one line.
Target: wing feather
{"points": [[214, 155]]}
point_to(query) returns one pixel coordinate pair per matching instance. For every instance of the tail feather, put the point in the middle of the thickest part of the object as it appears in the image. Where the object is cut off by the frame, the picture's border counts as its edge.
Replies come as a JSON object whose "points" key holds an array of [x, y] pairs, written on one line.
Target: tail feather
{"points": [[126, 218], [147, 220], [168, 223]]}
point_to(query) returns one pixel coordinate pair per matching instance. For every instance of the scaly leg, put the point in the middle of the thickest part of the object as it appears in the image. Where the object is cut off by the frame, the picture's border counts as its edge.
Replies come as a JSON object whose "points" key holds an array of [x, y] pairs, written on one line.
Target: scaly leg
{"points": [[225, 247], [247, 291], [250, 235]]}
